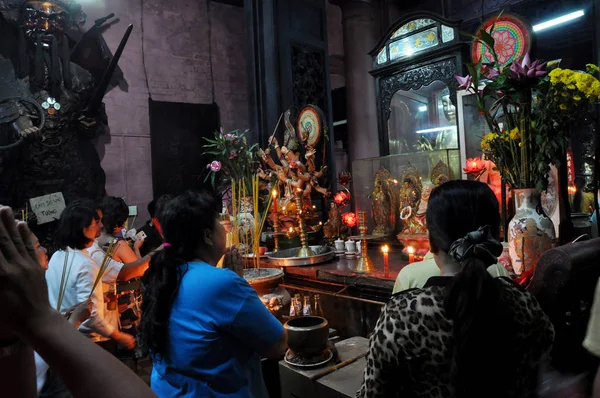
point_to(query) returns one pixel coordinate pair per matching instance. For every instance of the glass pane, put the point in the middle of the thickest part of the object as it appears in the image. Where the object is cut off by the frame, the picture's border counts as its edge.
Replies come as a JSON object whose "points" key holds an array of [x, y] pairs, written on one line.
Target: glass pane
{"points": [[382, 56], [447, 34], [412, 26], [422, 120], [412, 44]]}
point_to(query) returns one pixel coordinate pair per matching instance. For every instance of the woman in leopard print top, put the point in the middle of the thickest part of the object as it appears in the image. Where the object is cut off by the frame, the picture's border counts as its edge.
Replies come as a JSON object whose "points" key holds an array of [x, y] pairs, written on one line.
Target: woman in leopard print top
{"points": [[465, 334]]}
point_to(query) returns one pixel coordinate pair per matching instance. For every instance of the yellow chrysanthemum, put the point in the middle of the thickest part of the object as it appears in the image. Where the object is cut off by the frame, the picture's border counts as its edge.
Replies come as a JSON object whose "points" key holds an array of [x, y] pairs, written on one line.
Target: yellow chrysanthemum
{"points": [[592, 68], [563, 107], [515, 134], [571, 87], [577, 98]]}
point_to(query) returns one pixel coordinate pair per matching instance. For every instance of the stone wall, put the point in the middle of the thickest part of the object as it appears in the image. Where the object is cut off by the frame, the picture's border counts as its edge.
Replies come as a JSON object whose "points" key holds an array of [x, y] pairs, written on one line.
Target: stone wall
{"points": [[181, 40]]}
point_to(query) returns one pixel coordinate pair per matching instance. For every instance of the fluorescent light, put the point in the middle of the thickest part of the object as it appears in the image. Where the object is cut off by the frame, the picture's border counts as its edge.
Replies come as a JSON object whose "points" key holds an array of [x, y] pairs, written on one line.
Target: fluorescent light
{"points": [[558, 21], [423, 108], [436, 129]]}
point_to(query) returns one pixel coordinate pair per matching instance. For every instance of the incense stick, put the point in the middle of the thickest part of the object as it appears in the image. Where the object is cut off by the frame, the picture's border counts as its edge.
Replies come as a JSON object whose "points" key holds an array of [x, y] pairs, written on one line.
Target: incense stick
{"points": [[104, 266], [63, 280]]}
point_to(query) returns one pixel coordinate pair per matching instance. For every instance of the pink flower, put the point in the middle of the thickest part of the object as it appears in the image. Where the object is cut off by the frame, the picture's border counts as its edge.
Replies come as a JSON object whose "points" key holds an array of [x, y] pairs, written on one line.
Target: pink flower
{"points": [[526, 69], [464, 82], [488, 71], [232, 155], [221, 133], [504, 45], [215, 166]]}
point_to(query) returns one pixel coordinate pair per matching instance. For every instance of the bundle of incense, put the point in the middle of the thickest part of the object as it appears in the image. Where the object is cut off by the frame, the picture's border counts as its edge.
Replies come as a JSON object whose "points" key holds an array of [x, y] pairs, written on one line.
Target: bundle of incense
{"points": [[104, 266], [64, 279], [258, 226]]}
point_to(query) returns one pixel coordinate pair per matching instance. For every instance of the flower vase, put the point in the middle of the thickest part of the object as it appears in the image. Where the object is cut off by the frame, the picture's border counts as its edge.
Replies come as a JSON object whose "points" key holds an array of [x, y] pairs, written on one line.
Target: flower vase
{"points": [[530, 232]]}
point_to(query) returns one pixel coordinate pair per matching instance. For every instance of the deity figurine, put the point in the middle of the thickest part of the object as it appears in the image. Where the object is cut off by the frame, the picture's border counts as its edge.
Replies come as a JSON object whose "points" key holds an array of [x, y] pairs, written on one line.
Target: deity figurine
{"points": [[439, 175], [409, 199], [50, 106], [292, 173], [383, 203], [334, 228]]}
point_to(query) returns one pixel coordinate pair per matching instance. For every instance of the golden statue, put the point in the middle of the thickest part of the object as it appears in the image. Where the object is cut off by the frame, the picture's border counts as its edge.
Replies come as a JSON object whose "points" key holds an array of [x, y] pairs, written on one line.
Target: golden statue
{"points": [[334, 228], [383, 203], [409, 199], [439, 175]]}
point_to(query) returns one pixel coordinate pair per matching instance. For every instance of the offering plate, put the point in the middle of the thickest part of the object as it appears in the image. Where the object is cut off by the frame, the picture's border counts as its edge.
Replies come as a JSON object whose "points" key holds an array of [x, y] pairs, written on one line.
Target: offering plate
{"points": [[287, 257]]}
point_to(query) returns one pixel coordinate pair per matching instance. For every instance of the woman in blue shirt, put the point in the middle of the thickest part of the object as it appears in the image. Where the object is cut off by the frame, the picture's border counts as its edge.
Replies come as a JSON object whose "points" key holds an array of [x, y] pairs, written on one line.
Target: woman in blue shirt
{"points": [[205, 326]]}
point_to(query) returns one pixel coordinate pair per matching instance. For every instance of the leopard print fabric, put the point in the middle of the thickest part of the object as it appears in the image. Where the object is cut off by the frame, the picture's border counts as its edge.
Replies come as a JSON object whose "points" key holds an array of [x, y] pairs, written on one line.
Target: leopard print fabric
{"points": [[410, 350]]}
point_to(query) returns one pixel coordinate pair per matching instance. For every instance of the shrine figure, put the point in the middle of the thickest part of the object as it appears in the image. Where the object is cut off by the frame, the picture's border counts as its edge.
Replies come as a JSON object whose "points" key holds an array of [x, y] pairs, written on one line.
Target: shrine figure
{"points": [[50, 107], [409, 199], [334, 228], [439, 175], [383, 203]]}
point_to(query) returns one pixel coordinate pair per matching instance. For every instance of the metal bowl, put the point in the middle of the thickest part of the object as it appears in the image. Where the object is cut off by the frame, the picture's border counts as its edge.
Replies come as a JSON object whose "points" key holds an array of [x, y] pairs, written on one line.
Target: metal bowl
{"points": [[287, 257], [307, 335]]}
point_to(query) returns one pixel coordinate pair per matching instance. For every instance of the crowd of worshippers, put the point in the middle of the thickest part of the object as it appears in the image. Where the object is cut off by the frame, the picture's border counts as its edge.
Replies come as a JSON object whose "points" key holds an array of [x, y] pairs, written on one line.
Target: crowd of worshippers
{"points": [[464, 334]]}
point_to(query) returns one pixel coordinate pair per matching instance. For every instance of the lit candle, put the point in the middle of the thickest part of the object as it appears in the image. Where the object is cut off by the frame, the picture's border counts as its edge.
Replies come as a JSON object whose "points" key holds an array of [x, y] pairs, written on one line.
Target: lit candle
{"points": [[411, 254], [386, 250], [274, 201]]}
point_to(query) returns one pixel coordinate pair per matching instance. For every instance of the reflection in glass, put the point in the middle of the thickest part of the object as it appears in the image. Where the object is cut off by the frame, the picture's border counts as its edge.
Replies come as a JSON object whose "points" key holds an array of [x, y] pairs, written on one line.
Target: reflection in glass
{"points": [[422, 120]]}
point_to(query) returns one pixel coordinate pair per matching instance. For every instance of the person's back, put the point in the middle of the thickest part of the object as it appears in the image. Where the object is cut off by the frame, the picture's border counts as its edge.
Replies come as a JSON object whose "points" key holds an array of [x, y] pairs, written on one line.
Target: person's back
{"points": [[207, 355], [205, 327], [466, 334], [420, 357]]}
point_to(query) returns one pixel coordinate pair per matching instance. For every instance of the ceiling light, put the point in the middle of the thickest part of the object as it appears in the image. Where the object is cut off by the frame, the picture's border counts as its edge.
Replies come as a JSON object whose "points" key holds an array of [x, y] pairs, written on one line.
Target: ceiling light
{"points": [[436, 129], [558, 21], [423, 108]]}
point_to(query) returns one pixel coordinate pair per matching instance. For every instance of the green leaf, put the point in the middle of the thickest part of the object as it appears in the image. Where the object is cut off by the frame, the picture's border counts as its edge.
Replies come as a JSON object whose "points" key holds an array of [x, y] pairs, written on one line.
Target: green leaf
{"points": [[212, 179], [487, 38]]}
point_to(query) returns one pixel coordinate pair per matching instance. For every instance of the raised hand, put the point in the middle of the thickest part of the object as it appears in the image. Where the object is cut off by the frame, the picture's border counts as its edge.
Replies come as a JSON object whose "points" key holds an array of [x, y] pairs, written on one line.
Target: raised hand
{"points": [[233, 261], [23, 290]]}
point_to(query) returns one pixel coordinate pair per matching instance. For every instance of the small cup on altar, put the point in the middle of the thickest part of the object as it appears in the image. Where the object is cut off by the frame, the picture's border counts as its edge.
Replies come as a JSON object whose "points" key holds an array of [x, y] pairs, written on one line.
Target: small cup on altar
{"points": [[350, 247], [339, 246], [262, 250]]}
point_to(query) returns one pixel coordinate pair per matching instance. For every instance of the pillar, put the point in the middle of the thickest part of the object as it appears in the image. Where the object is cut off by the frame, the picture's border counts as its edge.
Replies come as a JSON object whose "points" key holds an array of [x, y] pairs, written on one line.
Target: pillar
{"points": [[359, 39]]}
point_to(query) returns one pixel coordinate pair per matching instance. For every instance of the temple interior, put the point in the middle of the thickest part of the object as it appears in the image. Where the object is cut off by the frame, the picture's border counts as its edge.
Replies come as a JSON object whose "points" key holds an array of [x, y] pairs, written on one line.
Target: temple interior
{"points": [[308, 198]]}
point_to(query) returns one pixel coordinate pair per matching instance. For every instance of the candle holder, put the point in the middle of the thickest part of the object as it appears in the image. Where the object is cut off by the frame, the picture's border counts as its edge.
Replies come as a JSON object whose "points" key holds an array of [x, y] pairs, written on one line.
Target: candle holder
{"points": [[364, 264], [276, 231], [305, 250]]}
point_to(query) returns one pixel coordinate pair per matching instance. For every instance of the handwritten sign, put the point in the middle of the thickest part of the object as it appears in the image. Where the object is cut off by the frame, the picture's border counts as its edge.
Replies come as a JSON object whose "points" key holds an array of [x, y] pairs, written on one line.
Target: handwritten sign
{"points": [[48, 208]]}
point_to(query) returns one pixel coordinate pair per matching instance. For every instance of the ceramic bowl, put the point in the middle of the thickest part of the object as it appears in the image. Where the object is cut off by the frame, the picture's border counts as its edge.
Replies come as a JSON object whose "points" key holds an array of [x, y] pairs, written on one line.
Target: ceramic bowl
{"points": [[307, 335]]}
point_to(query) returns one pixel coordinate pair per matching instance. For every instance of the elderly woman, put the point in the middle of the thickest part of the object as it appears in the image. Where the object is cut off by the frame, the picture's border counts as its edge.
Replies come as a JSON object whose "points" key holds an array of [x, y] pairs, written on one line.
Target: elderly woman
{"points": [[465, 333], [205, 326]]}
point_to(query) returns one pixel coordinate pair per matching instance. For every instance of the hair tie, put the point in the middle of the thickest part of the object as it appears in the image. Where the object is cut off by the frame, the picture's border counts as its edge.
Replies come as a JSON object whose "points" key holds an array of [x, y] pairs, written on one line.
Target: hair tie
{"points": [[479, 244], [167, 245]]}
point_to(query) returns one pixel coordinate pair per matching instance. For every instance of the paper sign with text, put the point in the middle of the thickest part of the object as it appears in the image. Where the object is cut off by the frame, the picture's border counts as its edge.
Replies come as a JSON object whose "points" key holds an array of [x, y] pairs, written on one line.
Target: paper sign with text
{"points": [[48, 208]]}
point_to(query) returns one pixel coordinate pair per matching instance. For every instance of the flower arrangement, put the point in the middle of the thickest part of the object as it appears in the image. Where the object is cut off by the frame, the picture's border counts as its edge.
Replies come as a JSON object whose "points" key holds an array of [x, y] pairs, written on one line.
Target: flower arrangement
{"points": [[530, 109], [234, 160]]}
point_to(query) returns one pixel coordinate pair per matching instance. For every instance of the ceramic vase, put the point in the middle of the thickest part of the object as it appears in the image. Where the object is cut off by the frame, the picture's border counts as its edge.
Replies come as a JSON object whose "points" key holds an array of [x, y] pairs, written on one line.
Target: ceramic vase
{"points": [[530, 232]]}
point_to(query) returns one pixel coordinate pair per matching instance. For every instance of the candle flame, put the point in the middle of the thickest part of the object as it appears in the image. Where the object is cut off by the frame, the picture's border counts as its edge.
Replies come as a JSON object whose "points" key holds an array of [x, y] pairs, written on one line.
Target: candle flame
{"points": [[395, 182], [385, 249], [291, 229], [274, 193], [410, 250]]}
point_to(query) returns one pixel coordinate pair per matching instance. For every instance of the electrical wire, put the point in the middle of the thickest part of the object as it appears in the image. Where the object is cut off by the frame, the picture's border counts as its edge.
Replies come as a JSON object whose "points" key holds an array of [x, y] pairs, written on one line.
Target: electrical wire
{"points": [[210, 60], [143, 52]]}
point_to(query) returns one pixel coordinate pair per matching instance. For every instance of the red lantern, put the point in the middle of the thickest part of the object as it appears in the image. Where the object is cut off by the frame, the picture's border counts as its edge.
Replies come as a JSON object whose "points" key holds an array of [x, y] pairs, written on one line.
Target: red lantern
{"points": [[349, 219]]}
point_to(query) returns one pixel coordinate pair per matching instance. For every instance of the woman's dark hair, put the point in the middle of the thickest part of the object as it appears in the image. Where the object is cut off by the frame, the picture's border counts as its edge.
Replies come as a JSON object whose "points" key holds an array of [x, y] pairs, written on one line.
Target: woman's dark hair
{"points": [[474, 300], [578, 197], [151, 208], [161, 204], [184, 221], [73, 220], [115, 213]]}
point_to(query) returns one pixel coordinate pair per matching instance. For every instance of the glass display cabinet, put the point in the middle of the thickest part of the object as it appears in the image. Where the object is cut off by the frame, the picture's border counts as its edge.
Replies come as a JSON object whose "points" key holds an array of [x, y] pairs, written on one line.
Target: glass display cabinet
{"points": [[414, 65], [391, 183]]}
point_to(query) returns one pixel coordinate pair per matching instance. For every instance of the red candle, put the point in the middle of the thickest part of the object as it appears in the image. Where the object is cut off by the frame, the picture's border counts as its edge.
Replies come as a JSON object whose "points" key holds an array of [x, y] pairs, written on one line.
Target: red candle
{"points": [[386, 264], [411, 254], [274, 201]]}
